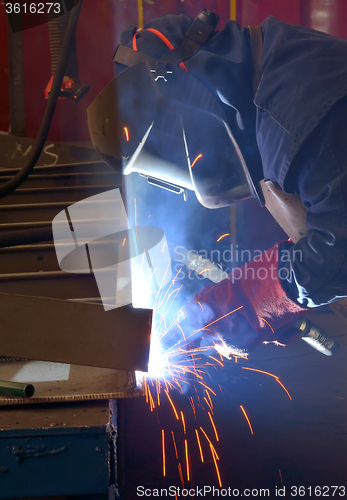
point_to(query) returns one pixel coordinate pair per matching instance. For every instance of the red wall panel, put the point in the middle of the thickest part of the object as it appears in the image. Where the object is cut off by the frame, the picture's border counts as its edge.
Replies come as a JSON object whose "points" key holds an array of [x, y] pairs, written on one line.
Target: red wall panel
{"points": [[99, 29], [255, 11], [329, 16], [4, 101]]}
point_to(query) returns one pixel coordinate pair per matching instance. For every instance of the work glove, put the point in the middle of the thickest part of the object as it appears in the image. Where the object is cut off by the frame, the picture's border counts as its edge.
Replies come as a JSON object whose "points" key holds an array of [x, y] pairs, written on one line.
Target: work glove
{"points": [[240, 313]]}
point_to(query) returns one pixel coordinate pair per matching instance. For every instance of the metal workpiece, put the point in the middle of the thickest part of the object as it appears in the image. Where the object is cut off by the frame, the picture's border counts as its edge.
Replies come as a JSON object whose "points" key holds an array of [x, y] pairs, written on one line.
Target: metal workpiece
{"points": [[43, 323], [72, 332]]}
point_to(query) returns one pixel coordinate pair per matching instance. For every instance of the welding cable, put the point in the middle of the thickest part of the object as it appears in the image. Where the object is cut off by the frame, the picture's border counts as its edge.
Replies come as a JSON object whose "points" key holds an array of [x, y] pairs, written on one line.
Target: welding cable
{"points": [[54, 94], [163, 38]]}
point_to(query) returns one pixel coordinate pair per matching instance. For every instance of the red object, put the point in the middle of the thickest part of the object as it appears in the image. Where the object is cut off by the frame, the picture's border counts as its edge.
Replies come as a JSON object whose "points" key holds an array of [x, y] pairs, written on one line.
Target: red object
{"points": [[247, 308], [96, 44], [67, 86], [163, 38]]}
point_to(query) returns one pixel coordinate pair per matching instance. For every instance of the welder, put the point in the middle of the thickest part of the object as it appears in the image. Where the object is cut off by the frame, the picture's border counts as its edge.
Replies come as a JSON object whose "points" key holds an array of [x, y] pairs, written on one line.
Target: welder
{"points": [[193, 109]]}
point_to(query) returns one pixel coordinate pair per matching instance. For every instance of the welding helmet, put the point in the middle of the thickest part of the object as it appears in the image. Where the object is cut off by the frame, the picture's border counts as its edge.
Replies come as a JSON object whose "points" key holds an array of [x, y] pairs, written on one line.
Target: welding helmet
{"points": [[157, 119]]}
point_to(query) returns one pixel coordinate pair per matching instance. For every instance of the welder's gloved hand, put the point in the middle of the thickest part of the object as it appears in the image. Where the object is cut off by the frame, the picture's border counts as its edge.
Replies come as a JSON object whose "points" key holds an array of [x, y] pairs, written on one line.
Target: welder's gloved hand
{"points": [[263, 311]]}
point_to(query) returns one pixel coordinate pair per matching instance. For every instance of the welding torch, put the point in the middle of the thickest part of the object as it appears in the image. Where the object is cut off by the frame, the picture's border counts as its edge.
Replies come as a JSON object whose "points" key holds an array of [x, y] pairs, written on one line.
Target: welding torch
{"points": [[316, 337]]}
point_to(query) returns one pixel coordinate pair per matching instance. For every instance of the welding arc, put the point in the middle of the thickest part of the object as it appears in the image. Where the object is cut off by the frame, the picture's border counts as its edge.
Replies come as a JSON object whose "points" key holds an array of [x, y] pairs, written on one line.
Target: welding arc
{"points": [[54, 94]]}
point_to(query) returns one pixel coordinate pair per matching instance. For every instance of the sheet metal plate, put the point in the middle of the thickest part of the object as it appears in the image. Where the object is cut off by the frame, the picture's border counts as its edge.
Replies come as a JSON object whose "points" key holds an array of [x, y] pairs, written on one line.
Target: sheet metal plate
{"points": [[77, 383]]}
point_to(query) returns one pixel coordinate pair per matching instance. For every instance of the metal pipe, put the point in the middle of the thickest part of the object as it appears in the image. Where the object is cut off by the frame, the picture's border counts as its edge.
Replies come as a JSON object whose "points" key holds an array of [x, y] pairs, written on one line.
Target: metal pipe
{"points": [[16, 389]]}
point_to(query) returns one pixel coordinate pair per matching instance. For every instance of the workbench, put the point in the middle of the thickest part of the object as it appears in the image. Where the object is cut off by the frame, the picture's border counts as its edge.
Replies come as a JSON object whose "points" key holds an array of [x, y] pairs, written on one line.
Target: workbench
{"points": [[58, 450]]}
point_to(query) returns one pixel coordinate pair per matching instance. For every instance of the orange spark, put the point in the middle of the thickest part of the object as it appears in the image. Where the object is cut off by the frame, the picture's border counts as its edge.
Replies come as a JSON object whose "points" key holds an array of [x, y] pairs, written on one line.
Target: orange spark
{"points": [[173, 291], [216, 466], [200, 305], [126, 133], [149, 216], [207, 387], [208, 404], [173, 406], [204, 270], [158, 386], [165, 243], [209, 442], [179, 326], [260, 371], [174, 442], [151, 402], [246, 417], [145, 386], [213, 425], [163, 446], [210, 364], [235, 359], [284, 388], [192, 405], [279, 470], [187, 459], [209, 397], [216, 360], [268, 325], [194, 373], [158, 297], [179, 385], [199, 444], [181, 475], [196, 159], [183, 422], [124, 242], [223, 236], [215, 321]]}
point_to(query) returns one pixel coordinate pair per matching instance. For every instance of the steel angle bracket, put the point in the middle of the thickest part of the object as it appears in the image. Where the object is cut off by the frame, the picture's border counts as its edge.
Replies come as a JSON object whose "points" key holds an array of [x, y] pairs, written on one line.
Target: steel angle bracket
{"points": [[78, 333]]}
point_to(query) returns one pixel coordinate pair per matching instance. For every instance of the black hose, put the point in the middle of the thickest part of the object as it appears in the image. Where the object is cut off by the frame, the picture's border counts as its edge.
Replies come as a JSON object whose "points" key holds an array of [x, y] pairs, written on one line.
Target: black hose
{"points": [[35, 153]]}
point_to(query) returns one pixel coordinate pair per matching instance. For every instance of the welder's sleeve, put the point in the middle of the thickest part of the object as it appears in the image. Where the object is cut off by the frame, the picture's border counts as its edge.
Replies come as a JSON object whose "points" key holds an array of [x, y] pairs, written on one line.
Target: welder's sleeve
{"points": [[249, 307], [317, 264]]}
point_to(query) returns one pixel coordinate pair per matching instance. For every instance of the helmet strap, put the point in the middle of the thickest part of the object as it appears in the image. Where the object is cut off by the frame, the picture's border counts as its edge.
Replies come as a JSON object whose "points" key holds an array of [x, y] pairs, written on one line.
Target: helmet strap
{"points": [[197, 35]]}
